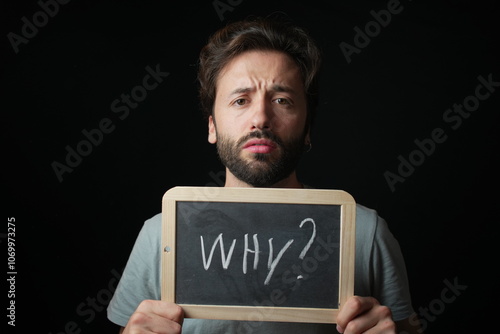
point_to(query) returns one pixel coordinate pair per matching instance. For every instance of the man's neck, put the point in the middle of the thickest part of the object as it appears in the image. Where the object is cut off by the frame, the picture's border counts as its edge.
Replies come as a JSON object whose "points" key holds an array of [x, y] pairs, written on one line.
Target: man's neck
{"points": [[289, 182]]}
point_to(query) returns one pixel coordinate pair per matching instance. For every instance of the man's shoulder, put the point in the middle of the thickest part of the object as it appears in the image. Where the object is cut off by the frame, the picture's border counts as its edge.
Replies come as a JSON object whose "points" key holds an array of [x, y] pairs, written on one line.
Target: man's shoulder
{"points": [[365, 216], [363, 213], [152, 226], [366, 213], [154, 220]]}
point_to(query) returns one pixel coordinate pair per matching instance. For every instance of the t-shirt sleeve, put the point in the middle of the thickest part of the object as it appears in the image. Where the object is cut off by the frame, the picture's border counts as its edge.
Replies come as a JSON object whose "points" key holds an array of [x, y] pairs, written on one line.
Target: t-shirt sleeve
{"points": [[141, 277], [390, 280]]}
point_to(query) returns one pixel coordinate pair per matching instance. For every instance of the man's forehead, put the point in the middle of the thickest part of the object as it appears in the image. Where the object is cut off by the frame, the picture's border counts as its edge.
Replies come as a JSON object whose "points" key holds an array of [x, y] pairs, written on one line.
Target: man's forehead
{"points": [[261, 69]]}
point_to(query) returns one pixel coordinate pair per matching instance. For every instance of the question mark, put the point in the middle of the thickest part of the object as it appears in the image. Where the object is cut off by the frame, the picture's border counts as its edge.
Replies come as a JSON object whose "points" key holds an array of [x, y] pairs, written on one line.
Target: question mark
{"points": [[306, 248]]}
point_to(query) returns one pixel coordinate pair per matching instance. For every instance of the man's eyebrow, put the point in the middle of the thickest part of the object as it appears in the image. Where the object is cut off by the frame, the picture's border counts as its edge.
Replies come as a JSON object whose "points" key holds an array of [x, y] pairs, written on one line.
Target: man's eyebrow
{"points": [[240, 91], [282, 89], [275, 88]]}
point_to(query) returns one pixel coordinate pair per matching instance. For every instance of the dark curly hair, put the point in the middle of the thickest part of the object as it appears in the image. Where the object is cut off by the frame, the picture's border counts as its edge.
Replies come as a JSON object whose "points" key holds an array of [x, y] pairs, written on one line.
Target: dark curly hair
{"points": [[258, 34]]}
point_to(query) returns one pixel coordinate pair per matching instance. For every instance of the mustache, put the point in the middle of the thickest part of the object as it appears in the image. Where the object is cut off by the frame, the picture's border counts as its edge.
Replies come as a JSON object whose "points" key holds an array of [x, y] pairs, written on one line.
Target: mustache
{"points": [[262, 134]]}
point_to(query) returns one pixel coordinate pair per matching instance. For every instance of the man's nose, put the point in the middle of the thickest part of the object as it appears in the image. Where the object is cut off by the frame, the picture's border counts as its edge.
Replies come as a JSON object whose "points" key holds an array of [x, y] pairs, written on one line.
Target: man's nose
{"points": [[262, 116]]}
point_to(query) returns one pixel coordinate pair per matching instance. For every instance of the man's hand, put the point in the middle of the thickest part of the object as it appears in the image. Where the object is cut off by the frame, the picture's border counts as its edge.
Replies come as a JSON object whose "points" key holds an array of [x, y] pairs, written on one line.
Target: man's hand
{"points": [[364, 314], [154, 316]]}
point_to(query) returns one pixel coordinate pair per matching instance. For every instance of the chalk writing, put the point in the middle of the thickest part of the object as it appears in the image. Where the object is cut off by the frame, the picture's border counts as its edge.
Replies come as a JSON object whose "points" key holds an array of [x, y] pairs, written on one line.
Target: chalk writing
{"points": [[225, 262], [272, 263], [306, 248]]}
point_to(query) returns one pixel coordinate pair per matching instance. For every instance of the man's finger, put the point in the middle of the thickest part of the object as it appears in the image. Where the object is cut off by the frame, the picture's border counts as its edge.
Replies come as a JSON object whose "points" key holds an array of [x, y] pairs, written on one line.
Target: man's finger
{"points": [[163, 309], [353, 307]]}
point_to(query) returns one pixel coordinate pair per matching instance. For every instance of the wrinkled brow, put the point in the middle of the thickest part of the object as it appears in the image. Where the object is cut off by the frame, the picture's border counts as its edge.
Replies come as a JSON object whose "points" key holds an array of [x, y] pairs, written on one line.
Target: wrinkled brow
{"points": [[274, 88]]}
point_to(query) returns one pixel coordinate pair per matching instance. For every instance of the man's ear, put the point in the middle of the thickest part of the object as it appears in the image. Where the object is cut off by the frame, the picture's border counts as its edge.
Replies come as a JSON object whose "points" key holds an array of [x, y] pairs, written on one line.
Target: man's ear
{"points": [[212, 131], [307, 139]]}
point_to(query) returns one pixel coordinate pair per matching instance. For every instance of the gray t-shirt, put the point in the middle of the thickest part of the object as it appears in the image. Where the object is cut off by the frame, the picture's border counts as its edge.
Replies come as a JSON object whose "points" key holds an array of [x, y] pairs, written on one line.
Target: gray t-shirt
{"points": [[379, 272]]}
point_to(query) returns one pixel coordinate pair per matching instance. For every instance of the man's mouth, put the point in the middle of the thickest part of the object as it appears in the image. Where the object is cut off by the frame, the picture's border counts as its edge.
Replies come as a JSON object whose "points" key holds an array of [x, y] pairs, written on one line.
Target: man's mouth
{"points": [[259, 146]]}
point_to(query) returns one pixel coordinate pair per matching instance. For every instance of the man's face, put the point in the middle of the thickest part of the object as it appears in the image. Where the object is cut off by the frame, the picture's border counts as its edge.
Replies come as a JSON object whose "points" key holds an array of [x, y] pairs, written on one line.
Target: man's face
{"points": [[259, 121]]}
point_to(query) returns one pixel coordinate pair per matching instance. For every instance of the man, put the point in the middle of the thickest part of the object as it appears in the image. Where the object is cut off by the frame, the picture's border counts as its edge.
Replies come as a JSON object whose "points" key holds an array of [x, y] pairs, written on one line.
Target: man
{"points": [[258, 89]]}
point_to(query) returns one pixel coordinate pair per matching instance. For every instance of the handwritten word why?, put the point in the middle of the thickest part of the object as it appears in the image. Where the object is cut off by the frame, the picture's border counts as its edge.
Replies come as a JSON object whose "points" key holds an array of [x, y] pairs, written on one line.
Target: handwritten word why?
{"points": [[94, 137], [271, 263], [453, 117]]}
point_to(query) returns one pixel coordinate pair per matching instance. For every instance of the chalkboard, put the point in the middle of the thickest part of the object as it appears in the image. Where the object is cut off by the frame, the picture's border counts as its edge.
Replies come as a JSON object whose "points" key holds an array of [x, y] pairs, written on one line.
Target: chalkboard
{"points": [[261, 254]]}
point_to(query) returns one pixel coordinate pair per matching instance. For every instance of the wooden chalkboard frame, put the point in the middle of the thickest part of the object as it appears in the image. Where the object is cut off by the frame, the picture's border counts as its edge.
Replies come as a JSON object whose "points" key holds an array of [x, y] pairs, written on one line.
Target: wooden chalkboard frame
{"points": [[259, 195]]}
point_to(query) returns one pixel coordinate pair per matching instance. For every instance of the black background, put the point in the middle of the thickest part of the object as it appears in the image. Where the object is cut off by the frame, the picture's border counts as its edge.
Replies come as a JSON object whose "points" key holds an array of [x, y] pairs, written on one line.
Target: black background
{"points": [[72, 237]]}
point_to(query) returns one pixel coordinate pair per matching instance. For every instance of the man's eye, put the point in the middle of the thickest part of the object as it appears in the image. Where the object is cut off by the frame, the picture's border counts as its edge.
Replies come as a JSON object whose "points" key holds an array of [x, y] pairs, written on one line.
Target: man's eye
{"points": [[240, 102], [281, 100]]}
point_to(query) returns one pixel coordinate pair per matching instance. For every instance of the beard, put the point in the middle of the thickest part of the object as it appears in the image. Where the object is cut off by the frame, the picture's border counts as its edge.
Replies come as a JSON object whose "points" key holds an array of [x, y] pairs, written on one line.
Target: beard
{"points": [[261, 169]]}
